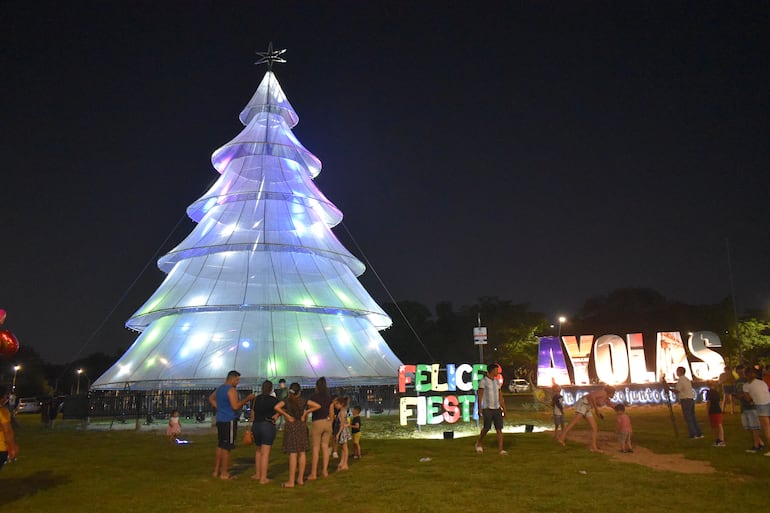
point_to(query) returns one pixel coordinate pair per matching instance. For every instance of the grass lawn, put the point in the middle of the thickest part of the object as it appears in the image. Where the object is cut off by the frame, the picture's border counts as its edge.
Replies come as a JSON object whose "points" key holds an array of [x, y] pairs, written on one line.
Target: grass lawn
{"points": [[99, 470]]}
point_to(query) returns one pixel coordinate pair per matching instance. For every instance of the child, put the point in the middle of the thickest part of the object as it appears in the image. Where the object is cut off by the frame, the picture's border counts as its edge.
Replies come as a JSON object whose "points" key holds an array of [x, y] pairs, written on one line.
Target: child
{"points": [[355, 430], [624, 429], [174, 427], [295, 437], [714, 399], [558, 410], [342, 435]]}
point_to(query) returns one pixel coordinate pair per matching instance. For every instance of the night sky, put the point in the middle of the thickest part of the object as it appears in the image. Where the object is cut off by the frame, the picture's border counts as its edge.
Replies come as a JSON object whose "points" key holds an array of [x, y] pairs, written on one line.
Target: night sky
{"points": [[542, 152]]}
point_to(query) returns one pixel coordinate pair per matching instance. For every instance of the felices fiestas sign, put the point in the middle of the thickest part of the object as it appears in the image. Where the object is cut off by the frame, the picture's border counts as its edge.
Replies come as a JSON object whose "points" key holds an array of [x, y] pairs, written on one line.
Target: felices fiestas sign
{"points": [[619, 361], [449, 393]]}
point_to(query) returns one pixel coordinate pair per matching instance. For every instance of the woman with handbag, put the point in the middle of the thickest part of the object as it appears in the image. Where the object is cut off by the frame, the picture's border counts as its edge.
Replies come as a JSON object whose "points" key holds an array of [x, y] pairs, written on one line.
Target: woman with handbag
{"points": [[262, 431]]}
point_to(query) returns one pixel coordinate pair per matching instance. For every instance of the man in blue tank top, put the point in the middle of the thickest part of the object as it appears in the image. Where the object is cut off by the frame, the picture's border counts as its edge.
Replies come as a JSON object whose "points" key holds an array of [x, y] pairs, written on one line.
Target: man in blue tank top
{"points": [[225, 400]]}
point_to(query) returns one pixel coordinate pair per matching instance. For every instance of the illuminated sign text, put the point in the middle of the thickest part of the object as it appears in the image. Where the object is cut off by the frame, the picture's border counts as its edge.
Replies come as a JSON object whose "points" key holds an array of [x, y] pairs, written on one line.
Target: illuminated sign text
{"points": [[439, 407], [618, 362]]}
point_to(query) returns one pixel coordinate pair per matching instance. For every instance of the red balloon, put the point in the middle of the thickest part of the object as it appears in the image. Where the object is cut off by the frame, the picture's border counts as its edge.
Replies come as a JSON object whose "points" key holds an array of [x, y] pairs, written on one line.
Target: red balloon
{"points": [[2, 316], [9, 344]]}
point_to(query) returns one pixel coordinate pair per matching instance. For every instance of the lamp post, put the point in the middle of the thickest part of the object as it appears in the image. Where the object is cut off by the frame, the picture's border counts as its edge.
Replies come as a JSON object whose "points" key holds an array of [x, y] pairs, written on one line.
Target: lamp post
{"points": [[16, 369], [562, 320], [79, 371]]}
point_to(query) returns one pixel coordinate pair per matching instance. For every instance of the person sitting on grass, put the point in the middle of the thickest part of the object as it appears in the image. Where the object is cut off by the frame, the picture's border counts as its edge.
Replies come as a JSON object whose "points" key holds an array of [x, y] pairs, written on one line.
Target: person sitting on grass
{"points": [[585, 408]]}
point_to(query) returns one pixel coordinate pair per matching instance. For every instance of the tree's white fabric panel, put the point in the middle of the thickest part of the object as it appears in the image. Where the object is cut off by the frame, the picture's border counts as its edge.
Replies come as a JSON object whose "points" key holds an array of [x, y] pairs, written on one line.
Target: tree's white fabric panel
{"points": [[261, 284]]}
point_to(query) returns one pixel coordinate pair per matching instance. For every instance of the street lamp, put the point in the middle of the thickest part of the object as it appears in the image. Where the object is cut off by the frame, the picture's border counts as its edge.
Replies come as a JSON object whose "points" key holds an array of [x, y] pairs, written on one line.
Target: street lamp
{"points": [[79, 371], [16, 369], [562, 320]]}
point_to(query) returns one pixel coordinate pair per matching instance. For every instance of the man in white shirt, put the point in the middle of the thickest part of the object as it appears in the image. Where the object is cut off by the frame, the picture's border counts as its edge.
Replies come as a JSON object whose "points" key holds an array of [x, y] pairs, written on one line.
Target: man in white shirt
{"points": [[686, 395], [491, 407]]}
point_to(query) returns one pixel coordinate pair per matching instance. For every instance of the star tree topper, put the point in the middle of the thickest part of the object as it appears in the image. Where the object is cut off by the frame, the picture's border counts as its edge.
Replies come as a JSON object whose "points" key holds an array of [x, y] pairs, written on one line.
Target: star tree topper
{"points": [[271, 56]]}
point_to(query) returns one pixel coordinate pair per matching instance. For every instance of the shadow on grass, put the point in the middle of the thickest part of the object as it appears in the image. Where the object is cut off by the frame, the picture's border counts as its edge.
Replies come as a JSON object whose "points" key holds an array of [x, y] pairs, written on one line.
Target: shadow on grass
{"points": [[244, 466], [16, 488]]}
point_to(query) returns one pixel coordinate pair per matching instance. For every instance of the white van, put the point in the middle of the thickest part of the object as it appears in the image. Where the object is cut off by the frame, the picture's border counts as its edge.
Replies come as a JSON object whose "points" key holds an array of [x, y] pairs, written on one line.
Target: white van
{"points": [[519, 385], [28, 405]]}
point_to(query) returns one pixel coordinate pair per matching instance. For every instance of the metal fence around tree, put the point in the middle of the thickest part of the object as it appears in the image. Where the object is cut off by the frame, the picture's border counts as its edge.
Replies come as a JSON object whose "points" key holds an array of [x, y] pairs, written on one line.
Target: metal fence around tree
{"points": [[149, 406]]}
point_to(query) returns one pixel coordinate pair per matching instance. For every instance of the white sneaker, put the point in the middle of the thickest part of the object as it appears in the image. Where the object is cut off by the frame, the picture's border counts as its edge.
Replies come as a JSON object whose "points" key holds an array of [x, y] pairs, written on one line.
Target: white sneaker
{"points": [[503, 453], [479, 448], [335, 455]]}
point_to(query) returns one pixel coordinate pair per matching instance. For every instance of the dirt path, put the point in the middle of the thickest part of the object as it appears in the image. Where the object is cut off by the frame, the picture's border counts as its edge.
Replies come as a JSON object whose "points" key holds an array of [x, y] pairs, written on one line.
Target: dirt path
{"points": [[642, 456]]}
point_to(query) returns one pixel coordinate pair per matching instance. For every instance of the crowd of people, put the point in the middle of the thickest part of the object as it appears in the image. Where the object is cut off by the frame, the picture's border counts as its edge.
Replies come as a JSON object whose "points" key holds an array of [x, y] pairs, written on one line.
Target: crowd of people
{"points": [[329, 431], [285, 409], [749, 387]]}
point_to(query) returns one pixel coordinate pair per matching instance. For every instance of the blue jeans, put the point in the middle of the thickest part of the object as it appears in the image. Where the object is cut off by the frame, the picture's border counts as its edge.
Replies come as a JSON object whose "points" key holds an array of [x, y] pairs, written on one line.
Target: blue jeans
{"points": [[264, 432], [688, 412]]}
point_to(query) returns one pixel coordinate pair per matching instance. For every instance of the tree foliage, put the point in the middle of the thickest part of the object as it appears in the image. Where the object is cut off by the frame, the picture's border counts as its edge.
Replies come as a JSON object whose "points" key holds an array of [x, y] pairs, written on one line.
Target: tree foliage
{"points": [[754, 340], [448, 337]]}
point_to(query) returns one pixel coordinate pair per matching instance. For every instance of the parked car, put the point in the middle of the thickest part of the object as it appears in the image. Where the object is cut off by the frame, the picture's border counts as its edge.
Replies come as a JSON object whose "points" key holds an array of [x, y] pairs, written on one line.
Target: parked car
{"points": [[519, 385], [28, 405]]}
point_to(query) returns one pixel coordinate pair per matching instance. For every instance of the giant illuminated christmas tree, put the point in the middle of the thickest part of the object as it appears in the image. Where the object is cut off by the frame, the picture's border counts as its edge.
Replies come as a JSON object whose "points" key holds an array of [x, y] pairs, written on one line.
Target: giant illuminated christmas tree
{"points": [[261, 284]]}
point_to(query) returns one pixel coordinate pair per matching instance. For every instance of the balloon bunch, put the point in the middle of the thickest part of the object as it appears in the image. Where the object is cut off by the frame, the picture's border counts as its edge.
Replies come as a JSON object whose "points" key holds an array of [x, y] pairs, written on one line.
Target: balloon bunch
{"points": [[9, 344]]}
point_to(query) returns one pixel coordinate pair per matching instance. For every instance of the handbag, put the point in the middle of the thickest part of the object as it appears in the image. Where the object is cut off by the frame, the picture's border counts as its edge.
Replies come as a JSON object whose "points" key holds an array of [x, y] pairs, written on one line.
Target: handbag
{"points": [[248, 437]]}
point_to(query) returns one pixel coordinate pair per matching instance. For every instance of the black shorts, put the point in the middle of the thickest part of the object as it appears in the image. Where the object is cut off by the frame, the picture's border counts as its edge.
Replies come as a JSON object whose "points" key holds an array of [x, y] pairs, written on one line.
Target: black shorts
{"points": [[492, 417], [227, 432]]}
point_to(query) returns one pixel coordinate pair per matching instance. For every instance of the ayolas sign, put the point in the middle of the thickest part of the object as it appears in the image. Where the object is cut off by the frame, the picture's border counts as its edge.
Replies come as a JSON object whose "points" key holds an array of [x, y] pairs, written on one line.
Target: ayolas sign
{"points": [[618, 361], [442, 402]]}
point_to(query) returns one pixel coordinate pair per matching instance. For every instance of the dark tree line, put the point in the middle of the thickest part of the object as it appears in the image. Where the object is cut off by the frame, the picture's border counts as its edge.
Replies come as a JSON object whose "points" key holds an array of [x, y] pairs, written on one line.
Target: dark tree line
{"points": [[39, 378]]}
